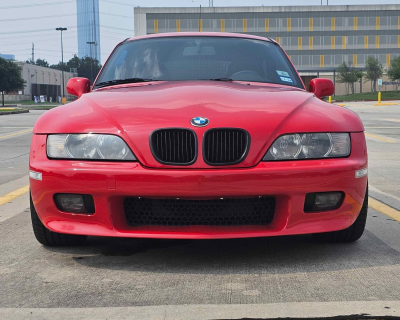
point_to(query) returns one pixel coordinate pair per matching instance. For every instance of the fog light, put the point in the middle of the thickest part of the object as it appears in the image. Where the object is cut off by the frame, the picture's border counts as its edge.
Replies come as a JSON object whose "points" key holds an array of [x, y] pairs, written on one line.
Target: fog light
{"points": [[361, 173], [323, 201], [35, 175], [74, 203]]}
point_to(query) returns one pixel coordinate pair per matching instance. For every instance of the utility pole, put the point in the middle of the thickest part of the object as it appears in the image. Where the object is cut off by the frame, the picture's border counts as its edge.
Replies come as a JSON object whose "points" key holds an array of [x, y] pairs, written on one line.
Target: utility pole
{"points": [[91, 60], [62, 65], [33, 53]]}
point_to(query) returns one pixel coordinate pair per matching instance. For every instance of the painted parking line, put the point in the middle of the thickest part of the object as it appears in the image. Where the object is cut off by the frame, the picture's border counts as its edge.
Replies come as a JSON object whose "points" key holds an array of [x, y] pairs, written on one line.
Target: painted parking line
{"points": [[15, 127], [383, 208], [382, 127], [15, 134], [392, 120], [373, 136], [13, 194]]}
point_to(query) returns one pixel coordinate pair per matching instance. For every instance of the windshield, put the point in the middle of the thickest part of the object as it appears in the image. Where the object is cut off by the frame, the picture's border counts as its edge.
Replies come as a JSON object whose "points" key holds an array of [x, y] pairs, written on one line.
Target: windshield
{"points": [[200, 58]]}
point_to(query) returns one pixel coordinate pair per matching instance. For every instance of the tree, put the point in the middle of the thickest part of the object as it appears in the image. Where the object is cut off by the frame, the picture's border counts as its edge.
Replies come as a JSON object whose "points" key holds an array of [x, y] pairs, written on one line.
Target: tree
{"points": [[394, 71], [86, 66], [39, 62], [10, 77], [374, 70], [42, 63], [58, 66], [348, 75]]}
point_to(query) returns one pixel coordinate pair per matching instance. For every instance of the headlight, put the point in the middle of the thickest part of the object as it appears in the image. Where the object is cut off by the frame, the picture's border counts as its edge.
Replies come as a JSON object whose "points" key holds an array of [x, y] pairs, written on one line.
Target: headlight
{"points": [[309, 146], [88, 146]]}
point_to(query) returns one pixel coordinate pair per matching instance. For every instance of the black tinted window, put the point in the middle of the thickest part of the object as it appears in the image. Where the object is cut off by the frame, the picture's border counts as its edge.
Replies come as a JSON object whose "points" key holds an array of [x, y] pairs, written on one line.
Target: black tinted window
{"points": [[200, 58]]}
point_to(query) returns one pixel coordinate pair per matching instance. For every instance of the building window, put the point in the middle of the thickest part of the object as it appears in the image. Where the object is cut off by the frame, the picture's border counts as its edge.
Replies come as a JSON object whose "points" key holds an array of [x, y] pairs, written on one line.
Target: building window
{"points": [[273, 24], [327, 24], [317, 24], [295, 24], [304, 24], [305, 61]]}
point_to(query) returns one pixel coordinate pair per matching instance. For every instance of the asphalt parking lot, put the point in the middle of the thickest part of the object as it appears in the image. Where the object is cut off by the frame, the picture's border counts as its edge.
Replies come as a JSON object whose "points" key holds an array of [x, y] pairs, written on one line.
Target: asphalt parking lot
{"points": [[210, 279]]}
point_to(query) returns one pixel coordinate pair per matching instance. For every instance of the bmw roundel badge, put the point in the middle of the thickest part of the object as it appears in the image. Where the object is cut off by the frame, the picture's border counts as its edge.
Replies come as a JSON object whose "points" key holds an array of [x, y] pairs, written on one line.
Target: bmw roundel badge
{"points": [[199, 121]]}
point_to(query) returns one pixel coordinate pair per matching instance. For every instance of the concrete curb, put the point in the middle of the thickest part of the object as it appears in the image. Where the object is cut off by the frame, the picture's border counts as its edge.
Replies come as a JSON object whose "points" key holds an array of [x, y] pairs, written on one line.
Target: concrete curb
{"points": [[13, 112], [289, 310]]}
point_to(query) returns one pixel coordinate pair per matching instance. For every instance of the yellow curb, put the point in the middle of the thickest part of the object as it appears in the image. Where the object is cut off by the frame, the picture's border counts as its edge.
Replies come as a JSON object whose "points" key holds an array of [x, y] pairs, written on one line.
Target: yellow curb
{"points": [[386, 104], [14, 194], [383, 208]]}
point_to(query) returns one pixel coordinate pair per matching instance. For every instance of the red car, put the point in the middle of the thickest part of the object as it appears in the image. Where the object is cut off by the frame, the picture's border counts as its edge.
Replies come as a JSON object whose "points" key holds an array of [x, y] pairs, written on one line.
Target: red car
{"points": [[198, 136]]}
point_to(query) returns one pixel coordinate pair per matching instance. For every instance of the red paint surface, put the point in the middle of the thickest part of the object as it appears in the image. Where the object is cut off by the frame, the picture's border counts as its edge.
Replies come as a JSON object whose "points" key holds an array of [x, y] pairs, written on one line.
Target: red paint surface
{"points": [[133, 111]]}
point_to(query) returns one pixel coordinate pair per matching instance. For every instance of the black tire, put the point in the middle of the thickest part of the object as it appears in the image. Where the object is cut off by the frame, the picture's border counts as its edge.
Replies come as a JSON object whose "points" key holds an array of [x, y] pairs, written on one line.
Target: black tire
{"points": [[50, 238], [352, 233]]}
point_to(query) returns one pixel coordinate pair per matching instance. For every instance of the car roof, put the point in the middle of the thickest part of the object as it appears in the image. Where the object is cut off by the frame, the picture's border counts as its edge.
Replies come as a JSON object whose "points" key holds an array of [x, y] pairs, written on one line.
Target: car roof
{"points": [[203, 34]]}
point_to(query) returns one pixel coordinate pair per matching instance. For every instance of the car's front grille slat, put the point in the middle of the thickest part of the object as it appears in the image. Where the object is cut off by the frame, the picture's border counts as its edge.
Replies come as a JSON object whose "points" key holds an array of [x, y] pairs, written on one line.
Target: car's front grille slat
{"points": [[225, 146], [213, 212], [174, 146]]}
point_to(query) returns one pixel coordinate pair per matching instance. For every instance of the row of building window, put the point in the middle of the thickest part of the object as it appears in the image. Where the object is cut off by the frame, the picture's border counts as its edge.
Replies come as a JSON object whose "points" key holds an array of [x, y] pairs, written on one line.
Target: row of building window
{"points": [[275, 24], [333, 60], [340, 42]]}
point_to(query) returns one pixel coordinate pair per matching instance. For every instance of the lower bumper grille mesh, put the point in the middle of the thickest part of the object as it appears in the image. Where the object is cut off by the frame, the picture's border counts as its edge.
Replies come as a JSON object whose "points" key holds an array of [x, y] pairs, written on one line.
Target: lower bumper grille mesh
{"points": [[216, 212]]}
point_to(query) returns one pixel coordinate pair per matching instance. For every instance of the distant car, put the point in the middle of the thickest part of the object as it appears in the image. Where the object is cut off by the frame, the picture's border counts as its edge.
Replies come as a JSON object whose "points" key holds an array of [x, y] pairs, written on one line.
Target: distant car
{"points": [[198, 136]]}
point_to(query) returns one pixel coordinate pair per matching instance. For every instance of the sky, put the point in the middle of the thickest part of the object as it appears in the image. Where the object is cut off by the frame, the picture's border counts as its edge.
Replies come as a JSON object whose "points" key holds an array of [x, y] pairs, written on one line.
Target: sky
{"points": [[23, 22]]}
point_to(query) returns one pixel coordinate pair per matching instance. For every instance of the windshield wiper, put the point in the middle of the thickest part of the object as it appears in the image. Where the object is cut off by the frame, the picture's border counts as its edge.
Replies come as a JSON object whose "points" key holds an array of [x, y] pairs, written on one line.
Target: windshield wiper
{"points": [[221, 79], [122, 81]]}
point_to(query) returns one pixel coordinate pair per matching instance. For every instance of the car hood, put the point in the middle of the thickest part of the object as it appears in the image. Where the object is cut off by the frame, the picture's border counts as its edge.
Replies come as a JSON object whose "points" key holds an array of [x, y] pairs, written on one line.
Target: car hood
{"points": [[135, 111]]}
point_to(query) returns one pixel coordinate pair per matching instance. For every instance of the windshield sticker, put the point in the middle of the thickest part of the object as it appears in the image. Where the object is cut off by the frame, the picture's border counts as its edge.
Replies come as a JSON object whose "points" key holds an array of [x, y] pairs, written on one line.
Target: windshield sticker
{"points": [[282, 73], [286, 79]]}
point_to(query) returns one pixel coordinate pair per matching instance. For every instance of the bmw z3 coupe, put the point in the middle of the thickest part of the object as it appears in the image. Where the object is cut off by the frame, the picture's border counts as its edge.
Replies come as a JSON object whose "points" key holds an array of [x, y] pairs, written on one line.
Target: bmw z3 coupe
{"points": [[198, 136]]}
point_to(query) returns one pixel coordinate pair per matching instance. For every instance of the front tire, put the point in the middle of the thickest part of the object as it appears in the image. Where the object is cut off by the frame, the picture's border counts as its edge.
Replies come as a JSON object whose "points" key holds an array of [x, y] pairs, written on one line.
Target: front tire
{"points": [[352, 233], [50, 238]]}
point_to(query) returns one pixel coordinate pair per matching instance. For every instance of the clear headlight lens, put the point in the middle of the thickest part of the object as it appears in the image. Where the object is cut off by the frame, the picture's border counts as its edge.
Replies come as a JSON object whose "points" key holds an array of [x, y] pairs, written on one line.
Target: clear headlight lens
{"points": [[309, 146], [88, 146]]}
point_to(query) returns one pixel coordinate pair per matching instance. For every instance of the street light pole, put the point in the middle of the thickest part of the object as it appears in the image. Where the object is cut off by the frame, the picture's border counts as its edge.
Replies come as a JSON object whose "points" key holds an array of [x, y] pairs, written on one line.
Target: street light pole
{"points": [[62, 64], [91, 60]]}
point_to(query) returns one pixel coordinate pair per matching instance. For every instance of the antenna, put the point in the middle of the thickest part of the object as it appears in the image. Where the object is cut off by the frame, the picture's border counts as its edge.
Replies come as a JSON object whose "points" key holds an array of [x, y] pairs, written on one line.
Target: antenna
{"points": [[33, 52]]}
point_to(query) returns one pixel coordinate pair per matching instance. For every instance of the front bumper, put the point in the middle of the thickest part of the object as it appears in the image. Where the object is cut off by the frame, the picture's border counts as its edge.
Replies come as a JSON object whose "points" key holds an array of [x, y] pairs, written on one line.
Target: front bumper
{"points": [[110, 182]]}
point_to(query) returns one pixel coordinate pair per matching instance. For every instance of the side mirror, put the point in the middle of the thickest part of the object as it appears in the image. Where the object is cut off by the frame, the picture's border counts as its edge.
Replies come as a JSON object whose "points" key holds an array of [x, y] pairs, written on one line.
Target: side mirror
{"points": [[78, 86], [322, 87]]}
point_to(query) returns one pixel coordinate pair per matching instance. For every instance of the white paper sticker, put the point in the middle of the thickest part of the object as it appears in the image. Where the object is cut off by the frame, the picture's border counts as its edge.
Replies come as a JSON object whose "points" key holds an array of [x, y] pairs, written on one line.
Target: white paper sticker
{"points": [[282, 73]]}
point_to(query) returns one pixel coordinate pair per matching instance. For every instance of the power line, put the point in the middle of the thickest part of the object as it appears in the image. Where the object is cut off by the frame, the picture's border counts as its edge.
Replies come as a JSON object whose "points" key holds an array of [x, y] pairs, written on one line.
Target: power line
{"points": [[36, 5], [123, 33], [116, 15], [120, 3], [32, 31], [102, 26], [36, 18], [65, 15]]}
